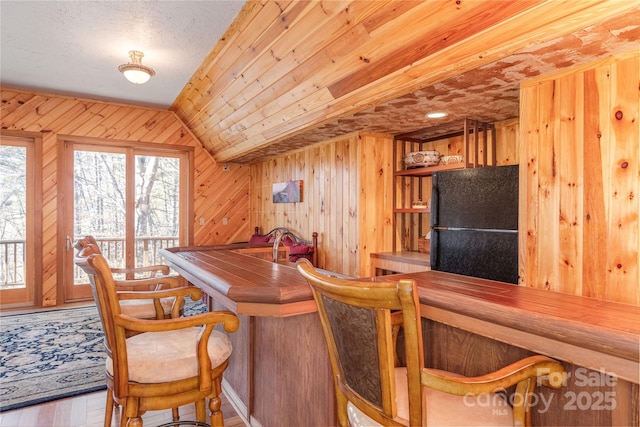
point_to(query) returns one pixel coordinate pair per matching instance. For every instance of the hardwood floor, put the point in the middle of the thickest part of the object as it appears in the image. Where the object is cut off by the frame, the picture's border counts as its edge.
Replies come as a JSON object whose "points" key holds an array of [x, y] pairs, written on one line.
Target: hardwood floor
{"points": [[87, 410]]}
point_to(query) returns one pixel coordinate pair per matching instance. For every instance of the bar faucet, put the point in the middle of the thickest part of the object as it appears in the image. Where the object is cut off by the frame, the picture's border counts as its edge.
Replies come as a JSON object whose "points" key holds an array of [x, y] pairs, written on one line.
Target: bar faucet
{"points": [[276, 243]]}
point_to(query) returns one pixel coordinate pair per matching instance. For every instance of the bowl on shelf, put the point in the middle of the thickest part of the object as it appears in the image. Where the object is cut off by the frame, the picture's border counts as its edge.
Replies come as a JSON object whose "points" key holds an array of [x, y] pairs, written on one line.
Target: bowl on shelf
{"points": [[449, 160], [416, 159]]}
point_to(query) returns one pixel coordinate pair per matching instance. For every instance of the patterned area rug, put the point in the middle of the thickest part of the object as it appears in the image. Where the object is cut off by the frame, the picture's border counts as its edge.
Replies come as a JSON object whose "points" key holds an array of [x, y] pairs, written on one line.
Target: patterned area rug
{"points": [[54, 354]]}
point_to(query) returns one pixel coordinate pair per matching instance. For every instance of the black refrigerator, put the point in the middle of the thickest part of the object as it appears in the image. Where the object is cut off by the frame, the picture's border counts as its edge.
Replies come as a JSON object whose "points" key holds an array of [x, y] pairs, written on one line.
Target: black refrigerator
{"points": [[474, 222]]}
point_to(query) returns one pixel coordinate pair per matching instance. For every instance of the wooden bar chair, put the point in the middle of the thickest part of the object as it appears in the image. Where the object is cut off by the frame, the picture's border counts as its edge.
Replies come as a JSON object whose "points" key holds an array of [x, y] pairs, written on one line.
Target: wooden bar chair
{"points": [[166, 363], [357, 318], [157, 278]]}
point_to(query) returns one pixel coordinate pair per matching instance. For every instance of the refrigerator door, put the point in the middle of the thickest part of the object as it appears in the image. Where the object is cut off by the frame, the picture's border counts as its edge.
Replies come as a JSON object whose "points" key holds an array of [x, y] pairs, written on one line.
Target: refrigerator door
{"points": [[477, 253], [474, 219], [476, 198]]}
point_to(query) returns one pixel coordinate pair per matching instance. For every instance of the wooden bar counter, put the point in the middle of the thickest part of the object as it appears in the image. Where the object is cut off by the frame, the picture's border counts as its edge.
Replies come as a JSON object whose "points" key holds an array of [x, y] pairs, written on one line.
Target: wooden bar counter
{"points": [[280, 370]]}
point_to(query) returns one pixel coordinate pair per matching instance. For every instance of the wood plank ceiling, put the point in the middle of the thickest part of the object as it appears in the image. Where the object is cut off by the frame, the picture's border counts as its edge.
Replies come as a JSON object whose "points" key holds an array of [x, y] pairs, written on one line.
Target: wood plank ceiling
{"points": [[288, 74]]}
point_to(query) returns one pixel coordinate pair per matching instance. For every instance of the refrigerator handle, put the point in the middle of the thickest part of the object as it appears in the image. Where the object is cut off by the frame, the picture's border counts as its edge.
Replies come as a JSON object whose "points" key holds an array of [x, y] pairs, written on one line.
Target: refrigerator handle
{"points": [[433, 249], [435, 197]]}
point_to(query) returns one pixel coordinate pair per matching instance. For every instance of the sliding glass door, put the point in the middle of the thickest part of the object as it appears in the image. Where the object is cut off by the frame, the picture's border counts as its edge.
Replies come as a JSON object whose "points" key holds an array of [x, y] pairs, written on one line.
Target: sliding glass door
{"points": [[132, 200]]}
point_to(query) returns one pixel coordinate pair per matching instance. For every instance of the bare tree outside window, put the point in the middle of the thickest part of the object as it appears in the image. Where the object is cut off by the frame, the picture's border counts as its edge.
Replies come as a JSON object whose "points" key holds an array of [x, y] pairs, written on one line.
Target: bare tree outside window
{"points": [[100, 203], [13, 214]]}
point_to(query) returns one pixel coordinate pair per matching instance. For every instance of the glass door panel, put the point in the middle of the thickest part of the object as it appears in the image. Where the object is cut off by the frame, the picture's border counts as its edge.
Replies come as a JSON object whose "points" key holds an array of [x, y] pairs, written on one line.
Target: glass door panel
{"points": [[99, 209], [157, 213], [16, 222]]}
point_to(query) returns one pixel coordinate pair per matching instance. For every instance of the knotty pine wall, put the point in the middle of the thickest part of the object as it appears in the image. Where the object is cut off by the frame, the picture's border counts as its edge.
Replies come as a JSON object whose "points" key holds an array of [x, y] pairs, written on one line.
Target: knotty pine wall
{"points": [[51, 118], [346, 198], [580, 133], [347, 194]]}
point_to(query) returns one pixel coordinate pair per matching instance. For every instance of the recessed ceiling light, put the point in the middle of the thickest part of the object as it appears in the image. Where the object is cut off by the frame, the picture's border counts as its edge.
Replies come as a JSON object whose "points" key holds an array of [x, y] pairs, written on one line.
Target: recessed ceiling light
{"points": [[437, 115]]}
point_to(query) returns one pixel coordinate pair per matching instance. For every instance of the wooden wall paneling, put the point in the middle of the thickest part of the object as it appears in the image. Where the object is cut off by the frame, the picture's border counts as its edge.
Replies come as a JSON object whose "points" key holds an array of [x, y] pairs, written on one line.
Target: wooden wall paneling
{"points": [[624, 113], [596, 176], [92, 117], [51, 111], [570, 166], [334, 211], [231, 202], [336, 177], [55, 118], [528, 189], [51, 262], [548, 191], [27, 108], [353, 213], [112, 120], [376, 181], [507, 142], [323, 208], [580, 209]]}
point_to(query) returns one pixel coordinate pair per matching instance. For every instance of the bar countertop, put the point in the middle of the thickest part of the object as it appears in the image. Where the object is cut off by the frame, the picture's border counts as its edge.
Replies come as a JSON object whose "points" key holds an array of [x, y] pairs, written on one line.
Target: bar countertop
{"points": [[249, 285], [605, 333], [582, 329]]}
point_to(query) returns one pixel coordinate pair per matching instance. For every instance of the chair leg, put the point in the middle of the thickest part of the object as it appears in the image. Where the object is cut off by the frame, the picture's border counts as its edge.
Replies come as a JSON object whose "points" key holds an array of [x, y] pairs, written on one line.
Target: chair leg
{"points": [[216, 413], [131, 415], [175, 412], [108, 408], [215, 404], [201, 411], [134, 422]]}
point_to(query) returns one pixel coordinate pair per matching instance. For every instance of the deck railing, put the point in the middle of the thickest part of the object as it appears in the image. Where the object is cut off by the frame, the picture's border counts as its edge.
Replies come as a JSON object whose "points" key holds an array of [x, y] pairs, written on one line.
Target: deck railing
{"points": [[146, 252], [12, 257], [12, 264]]}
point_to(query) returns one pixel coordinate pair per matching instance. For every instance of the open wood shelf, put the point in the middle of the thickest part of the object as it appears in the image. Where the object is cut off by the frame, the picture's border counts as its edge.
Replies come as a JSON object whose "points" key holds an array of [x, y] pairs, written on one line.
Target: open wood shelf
{"points": [[428, 170], [412, 210], [475, 140]]}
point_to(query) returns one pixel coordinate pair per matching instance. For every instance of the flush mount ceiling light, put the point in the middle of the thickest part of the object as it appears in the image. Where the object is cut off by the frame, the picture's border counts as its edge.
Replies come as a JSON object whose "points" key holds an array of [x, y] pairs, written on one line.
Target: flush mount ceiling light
{"points": [[134, 71], [437, 115]]}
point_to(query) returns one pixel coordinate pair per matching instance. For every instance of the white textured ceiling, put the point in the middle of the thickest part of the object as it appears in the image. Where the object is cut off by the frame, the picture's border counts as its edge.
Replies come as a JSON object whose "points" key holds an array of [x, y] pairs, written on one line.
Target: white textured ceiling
{"points": [[75, 47]]}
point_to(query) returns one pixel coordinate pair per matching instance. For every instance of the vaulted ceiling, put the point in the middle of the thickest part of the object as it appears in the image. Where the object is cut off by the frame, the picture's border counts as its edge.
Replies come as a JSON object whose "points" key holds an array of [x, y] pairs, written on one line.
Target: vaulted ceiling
{"points": [[289, 74]]}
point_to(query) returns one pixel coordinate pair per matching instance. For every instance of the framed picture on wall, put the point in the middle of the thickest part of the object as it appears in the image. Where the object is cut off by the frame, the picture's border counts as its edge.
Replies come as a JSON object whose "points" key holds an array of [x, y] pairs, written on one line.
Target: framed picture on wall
{"points": [[287, 192]]}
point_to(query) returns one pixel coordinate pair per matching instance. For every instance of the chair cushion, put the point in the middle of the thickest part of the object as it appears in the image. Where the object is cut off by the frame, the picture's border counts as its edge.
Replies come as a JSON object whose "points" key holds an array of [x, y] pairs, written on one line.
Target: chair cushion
{"points": [[143, 308], [156, 357], [444, 409]]}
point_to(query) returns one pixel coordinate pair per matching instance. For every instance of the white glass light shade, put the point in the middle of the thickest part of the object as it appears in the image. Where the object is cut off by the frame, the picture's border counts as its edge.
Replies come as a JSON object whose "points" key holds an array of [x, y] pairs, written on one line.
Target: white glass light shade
{"points": [[136, 76], [134, 71]]}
